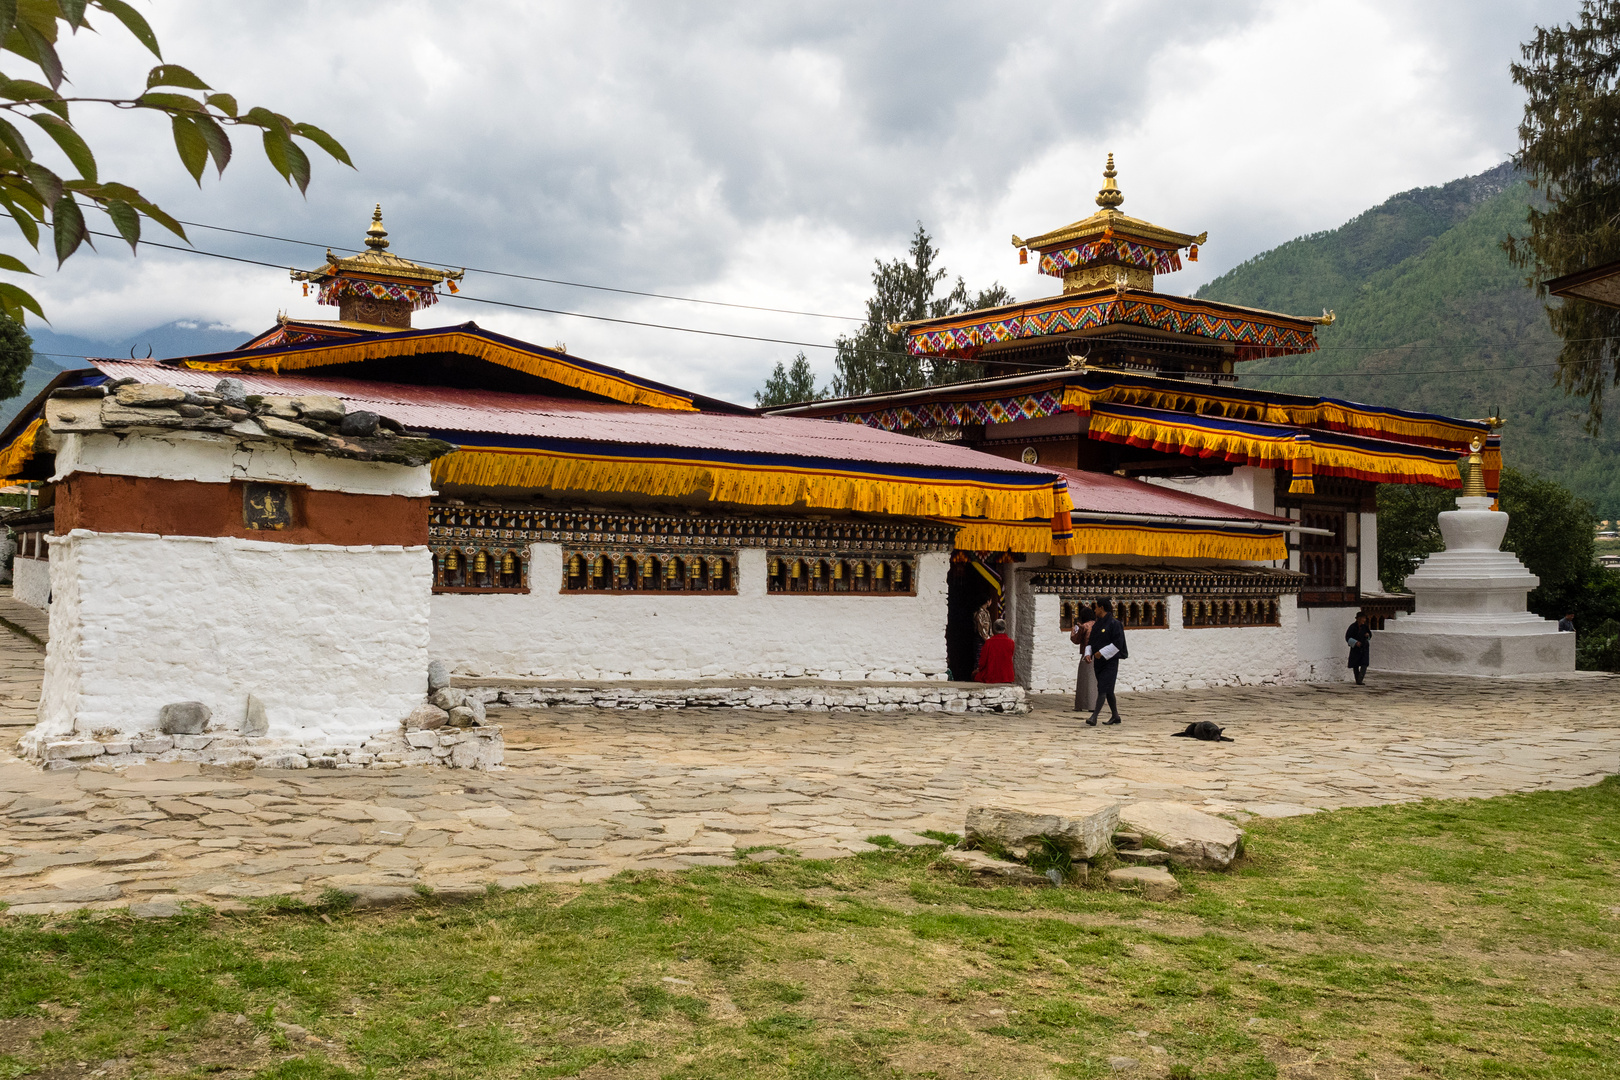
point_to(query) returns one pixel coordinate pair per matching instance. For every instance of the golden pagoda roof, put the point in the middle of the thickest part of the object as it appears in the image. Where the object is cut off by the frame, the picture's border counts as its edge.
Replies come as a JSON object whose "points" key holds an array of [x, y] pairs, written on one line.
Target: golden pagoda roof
{"points": [[377, 261], [1109, 219]]}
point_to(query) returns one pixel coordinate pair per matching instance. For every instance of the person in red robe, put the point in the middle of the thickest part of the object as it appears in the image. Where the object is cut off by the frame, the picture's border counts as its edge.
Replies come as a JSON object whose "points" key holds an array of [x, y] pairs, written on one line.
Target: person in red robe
{"points": [[996, 656]]}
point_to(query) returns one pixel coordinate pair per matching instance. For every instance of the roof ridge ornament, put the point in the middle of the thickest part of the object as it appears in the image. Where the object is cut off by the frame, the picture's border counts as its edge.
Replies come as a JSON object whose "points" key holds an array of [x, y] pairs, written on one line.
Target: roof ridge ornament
{"points": [[1110, 197], [377, 236]]}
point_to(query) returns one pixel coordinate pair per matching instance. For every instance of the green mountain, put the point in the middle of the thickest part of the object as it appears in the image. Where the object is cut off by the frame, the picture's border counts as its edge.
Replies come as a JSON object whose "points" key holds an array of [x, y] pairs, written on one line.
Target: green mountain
{"points": [[1432, 317]]}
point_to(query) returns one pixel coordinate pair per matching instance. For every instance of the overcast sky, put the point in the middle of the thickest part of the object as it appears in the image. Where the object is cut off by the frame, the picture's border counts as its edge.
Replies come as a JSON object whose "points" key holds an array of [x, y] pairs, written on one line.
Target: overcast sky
{"points": [[766, 153]]}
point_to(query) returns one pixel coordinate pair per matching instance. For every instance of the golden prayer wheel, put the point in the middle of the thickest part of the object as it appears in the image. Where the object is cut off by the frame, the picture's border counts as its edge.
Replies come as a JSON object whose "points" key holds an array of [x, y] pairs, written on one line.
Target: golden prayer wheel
{"points": [[669, 572], [838, 571], [452, 561], [860, 570], [797, 566], [815, 569], [480, 563], [776, 567], [880, 571], [508, 564], [576, 566]]}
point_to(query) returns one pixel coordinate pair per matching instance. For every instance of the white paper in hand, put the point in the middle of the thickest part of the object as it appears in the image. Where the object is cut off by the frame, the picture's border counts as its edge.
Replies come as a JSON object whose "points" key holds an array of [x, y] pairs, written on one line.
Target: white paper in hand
{"points": [[1088, 651], [1108, 652]]}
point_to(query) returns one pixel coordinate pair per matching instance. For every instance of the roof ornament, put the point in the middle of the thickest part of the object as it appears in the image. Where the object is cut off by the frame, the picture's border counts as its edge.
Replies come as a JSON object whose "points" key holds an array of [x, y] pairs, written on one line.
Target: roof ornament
{"points": [[1110, 196], [377, 236]]}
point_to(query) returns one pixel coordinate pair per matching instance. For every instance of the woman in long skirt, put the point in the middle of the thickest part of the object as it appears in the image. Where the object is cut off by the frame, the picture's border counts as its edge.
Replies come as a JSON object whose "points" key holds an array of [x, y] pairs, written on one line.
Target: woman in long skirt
{"points": [[1085, 680]]}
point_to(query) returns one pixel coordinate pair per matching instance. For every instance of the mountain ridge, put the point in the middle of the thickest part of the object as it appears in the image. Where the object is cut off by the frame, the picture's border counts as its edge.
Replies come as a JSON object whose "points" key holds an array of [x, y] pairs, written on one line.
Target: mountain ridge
{"points": [[1432, 317]]}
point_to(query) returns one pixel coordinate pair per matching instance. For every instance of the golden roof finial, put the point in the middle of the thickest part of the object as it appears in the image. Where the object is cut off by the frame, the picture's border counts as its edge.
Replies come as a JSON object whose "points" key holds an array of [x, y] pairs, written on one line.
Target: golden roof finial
{"points": [[1110, 196], [377, 236]]}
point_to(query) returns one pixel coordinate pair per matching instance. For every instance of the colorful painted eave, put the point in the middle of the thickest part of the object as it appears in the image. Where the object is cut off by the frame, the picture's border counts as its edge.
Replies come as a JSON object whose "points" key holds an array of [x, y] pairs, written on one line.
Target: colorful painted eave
{"points": [[467, 339], [1254, 334]]}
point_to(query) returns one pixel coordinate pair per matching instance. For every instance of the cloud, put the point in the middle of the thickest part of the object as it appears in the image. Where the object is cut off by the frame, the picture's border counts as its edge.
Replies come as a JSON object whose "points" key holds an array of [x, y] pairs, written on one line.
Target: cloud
{"points": [[766, 154]]}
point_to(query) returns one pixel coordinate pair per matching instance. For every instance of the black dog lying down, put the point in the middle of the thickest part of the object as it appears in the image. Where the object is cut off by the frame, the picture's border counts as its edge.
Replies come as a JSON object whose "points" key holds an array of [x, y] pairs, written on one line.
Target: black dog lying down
{"points": [[1204, 730]]}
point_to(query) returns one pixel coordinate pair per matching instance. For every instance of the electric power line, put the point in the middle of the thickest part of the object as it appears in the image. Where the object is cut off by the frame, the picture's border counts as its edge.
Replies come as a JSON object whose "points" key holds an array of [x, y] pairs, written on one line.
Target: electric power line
{"points": [[546, 280], [1033, 365]]}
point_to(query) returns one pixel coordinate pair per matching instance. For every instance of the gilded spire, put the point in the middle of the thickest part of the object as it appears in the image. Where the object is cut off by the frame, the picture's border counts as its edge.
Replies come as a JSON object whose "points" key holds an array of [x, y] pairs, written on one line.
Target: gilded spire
{"points": [[377, 236], [1110, 196]]}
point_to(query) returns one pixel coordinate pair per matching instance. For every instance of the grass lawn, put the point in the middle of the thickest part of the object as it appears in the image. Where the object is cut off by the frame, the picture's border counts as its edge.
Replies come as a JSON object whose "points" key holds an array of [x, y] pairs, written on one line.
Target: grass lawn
{"points": [[1438, 939]]}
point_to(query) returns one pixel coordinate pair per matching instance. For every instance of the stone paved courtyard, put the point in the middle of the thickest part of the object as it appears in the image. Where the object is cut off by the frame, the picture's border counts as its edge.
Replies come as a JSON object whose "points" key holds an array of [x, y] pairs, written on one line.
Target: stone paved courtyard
{"points": [[590, 792]]}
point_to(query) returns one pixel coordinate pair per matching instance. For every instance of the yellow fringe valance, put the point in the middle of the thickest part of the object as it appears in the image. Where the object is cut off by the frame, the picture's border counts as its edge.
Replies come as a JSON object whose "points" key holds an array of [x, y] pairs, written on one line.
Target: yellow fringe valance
{"points": [[1182, 543], [460, 343], [1253, 449], [1121, 538], [1333, 415], [20, 451], [1024, 537], [744, 485]]}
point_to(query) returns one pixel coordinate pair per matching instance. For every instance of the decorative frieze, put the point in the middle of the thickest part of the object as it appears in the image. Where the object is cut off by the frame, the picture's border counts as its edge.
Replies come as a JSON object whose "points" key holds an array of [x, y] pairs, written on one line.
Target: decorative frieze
{"points": [[479, 525], [1157, 582]]}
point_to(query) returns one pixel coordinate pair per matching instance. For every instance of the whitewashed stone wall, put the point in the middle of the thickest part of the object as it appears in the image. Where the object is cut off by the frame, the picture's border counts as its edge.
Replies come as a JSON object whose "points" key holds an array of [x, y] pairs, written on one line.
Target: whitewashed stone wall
{"points": [[1174, 658], [333, 640], [31, 581], [1323, 654], [754, 634]]}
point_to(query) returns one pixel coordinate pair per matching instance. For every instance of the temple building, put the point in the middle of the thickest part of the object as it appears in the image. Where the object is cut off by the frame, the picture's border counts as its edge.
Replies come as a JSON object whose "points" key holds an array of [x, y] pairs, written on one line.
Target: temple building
{"points": [[586, 526], [1110, 381]]}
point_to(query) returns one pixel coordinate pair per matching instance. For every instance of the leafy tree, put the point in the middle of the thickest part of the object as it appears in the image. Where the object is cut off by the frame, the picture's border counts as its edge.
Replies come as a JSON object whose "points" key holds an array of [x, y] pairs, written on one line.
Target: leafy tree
{"points": [[16, 353], [788, 385], [874, 360], [1408, 528], [36, 197], [1570, 147]]}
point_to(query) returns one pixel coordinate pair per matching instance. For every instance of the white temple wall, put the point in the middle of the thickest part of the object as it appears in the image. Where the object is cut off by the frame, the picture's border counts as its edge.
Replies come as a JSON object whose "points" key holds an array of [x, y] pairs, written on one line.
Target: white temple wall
{"points": [[1323, 653], [1247, 486], [647, 635], [1369, 554], [333, 640], [1173, 658], [31, 581]]}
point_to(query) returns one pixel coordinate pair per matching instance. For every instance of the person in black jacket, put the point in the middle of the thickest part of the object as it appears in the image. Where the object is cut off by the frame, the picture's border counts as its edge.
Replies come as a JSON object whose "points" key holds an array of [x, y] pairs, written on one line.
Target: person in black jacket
{"points": [[1106, 633], [1359, 638]]}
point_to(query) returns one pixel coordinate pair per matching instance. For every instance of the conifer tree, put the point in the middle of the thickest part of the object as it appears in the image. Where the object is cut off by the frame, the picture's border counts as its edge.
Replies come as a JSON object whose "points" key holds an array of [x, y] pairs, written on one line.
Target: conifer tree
{"points": [[788, 385], [1570, 147]]}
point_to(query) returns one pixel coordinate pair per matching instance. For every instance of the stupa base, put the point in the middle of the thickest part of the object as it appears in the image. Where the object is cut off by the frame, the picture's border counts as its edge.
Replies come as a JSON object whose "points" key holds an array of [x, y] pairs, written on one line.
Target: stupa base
{"points": [[1472, 654]]}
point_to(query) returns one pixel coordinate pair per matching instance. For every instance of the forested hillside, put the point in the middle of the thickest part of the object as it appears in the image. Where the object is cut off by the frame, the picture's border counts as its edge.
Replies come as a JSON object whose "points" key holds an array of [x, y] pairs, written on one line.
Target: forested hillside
{"points": [[1431, 316]]}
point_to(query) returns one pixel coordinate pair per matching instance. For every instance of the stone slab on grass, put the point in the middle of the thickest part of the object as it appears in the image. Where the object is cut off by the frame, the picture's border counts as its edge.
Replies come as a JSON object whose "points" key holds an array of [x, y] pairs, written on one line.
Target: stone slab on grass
{"points": [[1193, 838], [911, 839], [1156, 882], [990, 871], [1142, 857], [1083, 827]]}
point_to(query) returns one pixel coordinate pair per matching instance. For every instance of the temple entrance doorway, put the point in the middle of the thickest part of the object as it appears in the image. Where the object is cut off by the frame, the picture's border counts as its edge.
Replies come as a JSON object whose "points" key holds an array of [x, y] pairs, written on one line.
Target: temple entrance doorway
{"points": [[969, 586]]}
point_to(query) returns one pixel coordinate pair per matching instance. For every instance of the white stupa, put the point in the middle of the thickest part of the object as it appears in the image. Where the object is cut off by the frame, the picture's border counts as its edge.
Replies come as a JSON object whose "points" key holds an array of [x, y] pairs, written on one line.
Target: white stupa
{"points": [[1470, 616]]}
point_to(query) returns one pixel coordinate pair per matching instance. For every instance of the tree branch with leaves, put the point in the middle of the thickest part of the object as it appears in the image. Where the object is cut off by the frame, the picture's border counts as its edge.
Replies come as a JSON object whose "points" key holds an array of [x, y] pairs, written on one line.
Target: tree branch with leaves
{"points": [[41, 201]]}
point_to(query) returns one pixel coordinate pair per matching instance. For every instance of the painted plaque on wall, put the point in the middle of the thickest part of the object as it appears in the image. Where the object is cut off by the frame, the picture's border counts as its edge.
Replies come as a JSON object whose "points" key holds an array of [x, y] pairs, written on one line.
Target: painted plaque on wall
{"points": [[266, 506]]}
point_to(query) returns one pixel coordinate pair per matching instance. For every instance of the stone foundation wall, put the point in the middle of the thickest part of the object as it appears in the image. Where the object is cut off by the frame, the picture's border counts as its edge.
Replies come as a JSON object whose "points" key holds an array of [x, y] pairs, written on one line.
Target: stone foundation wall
{"points": [[31, 582], [771, 697], [461, 748]]}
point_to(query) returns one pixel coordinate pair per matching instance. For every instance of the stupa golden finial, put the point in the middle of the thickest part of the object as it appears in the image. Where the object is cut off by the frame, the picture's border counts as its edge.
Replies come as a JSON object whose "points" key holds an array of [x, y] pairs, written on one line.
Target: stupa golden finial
{"points": [[1474, 471], [1110, 196], [377, 236]]}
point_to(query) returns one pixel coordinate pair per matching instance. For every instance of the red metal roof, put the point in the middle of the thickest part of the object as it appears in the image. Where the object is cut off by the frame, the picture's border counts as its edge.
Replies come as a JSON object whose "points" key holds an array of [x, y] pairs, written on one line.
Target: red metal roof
{"points": [[1105, 493], [447, 409]]}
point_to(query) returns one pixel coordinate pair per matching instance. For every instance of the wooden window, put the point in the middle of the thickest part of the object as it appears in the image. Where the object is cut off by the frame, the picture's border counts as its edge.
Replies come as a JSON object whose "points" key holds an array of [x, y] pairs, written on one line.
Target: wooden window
{"points": [[1145, 613], [481, 568], [1229, 611], [586, 571], [887, 575]]}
